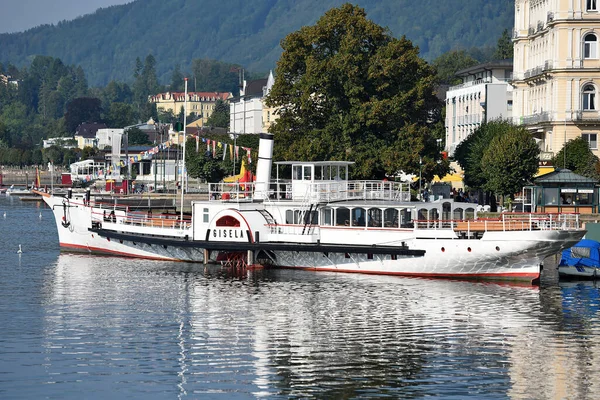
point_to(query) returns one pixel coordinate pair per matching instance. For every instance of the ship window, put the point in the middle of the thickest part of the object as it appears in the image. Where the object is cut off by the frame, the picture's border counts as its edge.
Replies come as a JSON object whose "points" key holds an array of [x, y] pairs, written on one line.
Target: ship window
{"points": [[470, 213], [289, 217], [227, 221], [326, 214], [205, 216], [458, 214], [390, 218], [297, 172], [358, 217], [307, 173], [342, 216], [374, 217]]}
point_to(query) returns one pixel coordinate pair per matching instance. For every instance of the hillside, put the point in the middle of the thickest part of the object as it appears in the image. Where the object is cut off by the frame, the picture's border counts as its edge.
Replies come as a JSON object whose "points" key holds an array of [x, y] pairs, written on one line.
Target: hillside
{"points": [[105, 44]]}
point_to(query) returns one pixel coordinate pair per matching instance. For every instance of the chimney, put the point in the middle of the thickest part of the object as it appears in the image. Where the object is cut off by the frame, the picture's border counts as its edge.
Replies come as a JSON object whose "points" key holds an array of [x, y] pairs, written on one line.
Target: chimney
{"points": [[263, 168]]}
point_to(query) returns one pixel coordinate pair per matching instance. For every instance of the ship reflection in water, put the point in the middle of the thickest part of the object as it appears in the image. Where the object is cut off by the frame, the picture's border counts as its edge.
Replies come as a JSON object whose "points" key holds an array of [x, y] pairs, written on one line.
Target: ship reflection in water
{"points": [[106, 326]]}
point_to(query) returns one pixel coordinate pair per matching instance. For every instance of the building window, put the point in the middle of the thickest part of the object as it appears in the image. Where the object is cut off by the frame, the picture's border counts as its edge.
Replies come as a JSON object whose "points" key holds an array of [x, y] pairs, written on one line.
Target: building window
{"points": [[591, 5], [589, 97], [590, 46], [592, 139]]}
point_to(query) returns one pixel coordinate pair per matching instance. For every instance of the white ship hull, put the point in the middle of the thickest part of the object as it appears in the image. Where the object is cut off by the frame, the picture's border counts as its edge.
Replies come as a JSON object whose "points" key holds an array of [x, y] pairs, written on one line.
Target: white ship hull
{"points": [[74, 233], [518, 258]]}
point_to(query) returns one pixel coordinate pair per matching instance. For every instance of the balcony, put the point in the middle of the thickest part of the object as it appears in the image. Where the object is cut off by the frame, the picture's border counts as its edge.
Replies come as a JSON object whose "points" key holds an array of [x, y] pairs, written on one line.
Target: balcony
{"points": [[540, 26], [536, 118], [586, 115]]}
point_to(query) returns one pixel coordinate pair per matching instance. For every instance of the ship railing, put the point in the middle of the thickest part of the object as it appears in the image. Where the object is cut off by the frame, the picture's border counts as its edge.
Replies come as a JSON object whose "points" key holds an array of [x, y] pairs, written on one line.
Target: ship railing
{"points": [[235, 191], [318, 191], [507, 222], [143, 219], [291, 229], [356, 190]]}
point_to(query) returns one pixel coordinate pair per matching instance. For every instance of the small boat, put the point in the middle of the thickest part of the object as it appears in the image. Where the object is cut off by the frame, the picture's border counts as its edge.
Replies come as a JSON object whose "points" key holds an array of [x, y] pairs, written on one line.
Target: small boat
{"points": [[581, 261], [12, 191]]}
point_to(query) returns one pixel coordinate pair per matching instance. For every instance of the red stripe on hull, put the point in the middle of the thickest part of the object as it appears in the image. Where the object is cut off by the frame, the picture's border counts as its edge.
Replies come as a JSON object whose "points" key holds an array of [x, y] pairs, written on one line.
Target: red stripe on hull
{"points": [[97, 250], [520, 276]]}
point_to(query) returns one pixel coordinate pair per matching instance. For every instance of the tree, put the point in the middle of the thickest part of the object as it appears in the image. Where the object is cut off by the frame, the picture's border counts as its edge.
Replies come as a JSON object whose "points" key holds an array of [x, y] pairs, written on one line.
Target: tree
{"points": [[136, 136], [120, 115], [577, 156], [348, 90], [449, 63], [470, 151], [510, 161], [220, 115], [504, 48], [177, 82], [82, 109], [202, 164]]}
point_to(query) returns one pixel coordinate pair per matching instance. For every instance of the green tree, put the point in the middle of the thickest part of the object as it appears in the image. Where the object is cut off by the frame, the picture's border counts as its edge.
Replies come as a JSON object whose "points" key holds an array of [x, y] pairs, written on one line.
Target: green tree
{"points": [[220, 115], [177, 81], [449, 63], [577, 156], [504, 48], [348, 90], [120, 115], [510, 161], [470, 151], [80, 110], [136, 136], [202, 164]]}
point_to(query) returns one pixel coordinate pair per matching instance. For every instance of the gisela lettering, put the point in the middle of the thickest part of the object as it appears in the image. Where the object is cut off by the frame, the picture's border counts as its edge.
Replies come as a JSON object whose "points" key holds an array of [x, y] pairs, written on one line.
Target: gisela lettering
{"points": [[228, 233]]}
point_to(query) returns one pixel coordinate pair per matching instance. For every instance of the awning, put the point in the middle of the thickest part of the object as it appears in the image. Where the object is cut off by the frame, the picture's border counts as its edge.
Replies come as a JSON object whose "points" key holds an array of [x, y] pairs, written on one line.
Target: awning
{"points": [[543, 171], [448, 178]]}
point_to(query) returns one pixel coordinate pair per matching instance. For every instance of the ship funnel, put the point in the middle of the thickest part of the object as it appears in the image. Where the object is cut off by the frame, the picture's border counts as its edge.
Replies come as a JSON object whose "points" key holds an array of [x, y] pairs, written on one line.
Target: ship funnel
{"points": [[263, 168]]}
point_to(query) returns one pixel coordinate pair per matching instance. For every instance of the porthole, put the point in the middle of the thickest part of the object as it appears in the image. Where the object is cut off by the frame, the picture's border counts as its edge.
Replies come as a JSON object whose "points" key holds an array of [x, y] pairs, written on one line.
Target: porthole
{"points": [[497, 248], [469, 249], [443, 249]]}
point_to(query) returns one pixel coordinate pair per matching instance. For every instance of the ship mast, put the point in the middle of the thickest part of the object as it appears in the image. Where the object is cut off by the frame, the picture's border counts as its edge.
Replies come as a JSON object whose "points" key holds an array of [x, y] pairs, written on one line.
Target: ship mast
{"points": [[183, 159]]}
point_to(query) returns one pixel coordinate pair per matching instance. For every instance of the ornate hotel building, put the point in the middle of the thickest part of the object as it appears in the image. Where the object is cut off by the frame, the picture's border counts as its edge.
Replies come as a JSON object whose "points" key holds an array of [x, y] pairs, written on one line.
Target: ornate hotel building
{"points": [[556, 75]]}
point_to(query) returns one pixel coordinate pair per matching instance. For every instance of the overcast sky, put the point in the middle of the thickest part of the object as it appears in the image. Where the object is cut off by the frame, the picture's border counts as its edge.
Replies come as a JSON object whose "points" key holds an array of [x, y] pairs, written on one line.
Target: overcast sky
{"points": [[20, 15]]}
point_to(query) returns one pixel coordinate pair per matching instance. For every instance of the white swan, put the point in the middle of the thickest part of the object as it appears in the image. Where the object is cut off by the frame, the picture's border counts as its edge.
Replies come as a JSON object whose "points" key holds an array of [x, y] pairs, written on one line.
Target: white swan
{"points": [[20, 250]]}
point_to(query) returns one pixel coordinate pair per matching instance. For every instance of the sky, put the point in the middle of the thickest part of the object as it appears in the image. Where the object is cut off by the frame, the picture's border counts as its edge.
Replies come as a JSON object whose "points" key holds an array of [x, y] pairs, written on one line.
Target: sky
{"points": [[20, 15]]}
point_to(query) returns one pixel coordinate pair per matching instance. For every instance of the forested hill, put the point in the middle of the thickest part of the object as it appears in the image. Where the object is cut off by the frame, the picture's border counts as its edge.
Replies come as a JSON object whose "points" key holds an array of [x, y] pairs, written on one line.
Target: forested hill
{"points": [[248, 33]]}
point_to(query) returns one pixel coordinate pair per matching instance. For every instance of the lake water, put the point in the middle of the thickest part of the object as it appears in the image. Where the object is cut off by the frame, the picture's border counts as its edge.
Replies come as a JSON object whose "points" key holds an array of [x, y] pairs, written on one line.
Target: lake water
{"points": [[78, 326]]}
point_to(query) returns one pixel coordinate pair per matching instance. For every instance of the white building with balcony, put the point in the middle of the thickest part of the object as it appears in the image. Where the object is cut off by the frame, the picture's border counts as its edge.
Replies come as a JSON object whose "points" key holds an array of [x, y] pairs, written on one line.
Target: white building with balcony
{"points": [[247, 112], [557, 71], [485, 94]]}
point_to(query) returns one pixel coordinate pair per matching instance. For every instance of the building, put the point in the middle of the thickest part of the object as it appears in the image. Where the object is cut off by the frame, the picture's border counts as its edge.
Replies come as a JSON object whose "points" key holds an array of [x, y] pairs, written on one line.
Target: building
{"points": [[60, 141], [6, 79], [484, 94], [247, 112], [557, 71], [85, 134], [105, 137], [201, 104]]}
